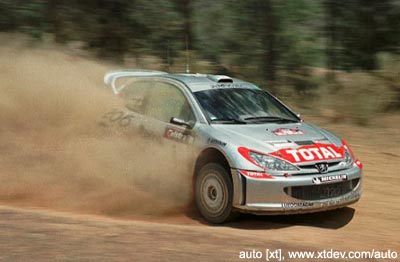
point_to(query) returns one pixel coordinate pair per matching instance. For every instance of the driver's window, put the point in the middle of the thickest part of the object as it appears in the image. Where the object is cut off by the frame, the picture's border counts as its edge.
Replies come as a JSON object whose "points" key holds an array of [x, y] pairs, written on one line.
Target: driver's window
{"points": [[135, 95], [167, 101]]}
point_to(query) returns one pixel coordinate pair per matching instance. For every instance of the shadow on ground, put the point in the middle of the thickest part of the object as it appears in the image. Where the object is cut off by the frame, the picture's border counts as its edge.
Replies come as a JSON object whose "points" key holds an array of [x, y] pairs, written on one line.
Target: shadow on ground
{"points": [[330, 220]]}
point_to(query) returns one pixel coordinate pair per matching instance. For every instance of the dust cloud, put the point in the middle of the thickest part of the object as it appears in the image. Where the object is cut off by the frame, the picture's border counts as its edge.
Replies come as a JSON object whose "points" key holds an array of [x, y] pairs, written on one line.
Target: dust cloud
{"points": [[54, 153]]}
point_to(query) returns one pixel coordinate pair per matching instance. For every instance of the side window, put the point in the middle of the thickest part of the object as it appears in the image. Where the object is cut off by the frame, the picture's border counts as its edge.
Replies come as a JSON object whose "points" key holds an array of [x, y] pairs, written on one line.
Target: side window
{"points": [[135, 95], [168, 101]]}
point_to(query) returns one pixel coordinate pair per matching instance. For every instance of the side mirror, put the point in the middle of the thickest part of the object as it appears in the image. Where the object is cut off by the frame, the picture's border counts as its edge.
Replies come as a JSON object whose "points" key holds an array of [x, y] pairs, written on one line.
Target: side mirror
{"points": [[181, 122]]}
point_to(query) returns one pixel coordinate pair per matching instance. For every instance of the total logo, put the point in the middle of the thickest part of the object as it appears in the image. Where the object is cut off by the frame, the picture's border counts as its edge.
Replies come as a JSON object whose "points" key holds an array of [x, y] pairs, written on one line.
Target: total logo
{"points": [[314, 152]]}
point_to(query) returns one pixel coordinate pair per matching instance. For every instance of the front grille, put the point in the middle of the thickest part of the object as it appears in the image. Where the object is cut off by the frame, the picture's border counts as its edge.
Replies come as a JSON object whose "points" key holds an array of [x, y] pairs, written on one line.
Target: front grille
{"points": [[308, 169], [307, 166], [320, 192]]}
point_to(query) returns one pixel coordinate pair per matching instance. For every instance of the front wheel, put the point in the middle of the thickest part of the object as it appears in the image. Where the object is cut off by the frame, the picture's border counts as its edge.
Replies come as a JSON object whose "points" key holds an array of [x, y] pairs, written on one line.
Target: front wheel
{"points": [[214, 193]]}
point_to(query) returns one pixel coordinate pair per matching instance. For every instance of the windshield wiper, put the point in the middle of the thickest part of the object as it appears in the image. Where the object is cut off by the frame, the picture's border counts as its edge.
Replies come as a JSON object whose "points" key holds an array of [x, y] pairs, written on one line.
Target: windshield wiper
{"points": [[229, 120], [271, 119]]}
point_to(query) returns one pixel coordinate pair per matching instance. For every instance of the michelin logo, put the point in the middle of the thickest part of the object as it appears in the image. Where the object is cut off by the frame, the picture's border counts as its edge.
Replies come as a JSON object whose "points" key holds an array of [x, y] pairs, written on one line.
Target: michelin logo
{"points": [[326, 179]]}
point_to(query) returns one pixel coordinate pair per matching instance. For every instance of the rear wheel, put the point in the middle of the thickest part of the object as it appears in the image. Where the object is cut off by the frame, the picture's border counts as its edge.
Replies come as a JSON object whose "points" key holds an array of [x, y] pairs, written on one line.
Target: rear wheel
{"points": [[214, 193]]}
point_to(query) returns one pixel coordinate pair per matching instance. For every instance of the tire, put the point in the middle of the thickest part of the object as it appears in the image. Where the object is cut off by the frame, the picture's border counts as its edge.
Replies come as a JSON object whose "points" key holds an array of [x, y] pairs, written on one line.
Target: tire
{"points": [[214, 193]]}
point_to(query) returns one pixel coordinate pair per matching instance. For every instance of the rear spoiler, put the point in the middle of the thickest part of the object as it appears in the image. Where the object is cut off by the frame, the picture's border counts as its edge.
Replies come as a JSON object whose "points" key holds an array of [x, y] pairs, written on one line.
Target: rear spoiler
{"points": [[111, 77]]}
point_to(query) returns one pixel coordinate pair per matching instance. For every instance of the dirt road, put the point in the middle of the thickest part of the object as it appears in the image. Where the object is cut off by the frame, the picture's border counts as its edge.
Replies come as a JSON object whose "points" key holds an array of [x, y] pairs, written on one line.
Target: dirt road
{"points": [[118, 207], [372, 223]]}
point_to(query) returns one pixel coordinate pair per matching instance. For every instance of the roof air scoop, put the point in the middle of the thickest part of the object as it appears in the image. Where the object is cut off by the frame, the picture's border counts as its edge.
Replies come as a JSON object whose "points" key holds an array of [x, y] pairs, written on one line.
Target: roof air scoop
{"points": [[220, 78]]}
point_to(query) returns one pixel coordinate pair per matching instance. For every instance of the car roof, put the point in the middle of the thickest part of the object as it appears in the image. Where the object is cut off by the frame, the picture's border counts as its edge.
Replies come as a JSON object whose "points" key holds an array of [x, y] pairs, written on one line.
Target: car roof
{"points": [[199, 82], [195, 82]]}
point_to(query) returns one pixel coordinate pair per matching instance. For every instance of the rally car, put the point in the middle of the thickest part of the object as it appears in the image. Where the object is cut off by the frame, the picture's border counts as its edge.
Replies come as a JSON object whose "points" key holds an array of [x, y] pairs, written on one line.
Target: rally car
{"points": [[253, 153]]}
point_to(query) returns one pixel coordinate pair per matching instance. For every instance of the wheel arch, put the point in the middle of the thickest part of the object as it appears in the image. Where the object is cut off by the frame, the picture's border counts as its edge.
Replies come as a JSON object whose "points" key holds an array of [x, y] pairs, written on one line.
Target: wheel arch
{"points": [[212, 154]]}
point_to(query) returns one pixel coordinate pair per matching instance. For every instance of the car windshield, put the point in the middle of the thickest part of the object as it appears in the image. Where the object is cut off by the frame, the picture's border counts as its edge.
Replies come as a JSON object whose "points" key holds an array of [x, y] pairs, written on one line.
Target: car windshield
{"points": [[243, 106]]}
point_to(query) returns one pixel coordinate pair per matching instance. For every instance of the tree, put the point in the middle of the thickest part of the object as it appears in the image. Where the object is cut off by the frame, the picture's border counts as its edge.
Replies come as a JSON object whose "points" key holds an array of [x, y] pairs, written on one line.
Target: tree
{"points": [[358, 30]]}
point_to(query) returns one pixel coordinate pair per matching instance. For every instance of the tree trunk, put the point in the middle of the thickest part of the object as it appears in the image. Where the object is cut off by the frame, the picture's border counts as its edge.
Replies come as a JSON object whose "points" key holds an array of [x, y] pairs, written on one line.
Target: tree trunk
{"points": [[331, 29], [270, 54], [55, 20]]}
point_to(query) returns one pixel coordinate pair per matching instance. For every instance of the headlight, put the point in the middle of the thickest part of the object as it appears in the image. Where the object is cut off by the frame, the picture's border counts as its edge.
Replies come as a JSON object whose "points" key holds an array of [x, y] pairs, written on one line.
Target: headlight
{"points": [[348, 158], [266, 161]]}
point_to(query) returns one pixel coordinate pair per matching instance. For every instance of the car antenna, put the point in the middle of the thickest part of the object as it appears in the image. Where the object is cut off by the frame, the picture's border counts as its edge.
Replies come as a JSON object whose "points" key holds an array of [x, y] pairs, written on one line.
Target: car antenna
{"points": [[168, 59], [187, 55]]}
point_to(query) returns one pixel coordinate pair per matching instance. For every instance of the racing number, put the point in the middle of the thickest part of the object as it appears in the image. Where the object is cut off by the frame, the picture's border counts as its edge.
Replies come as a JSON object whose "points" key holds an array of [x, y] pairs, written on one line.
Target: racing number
{"points": [[116, 116]]}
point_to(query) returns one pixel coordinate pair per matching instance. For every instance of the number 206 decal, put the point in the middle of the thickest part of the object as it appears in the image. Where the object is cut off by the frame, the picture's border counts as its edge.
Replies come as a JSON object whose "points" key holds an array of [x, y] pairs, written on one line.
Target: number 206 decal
{"points": [[118, 117]]}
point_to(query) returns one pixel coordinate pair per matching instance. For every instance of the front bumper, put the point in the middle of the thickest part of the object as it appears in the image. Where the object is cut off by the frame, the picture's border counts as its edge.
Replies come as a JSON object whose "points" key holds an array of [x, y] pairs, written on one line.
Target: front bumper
{"points": [[295, 194]]}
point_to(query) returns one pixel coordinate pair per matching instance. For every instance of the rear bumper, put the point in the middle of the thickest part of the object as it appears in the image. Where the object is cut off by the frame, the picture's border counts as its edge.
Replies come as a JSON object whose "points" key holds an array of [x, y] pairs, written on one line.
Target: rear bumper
{"points": [[297, 194]]}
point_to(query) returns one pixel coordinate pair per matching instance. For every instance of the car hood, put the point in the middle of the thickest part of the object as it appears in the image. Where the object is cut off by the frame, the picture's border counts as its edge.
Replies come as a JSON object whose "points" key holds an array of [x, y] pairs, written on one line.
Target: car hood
{"points": [[278, 138], [272, 133]]}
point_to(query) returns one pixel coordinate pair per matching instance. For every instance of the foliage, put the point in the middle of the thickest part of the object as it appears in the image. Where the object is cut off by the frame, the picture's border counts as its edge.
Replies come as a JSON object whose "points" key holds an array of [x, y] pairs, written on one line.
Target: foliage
{"points": [[276, 44], [358, 30]]}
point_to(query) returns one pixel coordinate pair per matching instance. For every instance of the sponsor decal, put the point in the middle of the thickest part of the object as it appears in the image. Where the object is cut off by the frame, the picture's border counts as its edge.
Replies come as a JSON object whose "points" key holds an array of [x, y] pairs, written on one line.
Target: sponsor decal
{"points": [[308, 153], [183, 136], [358, 164], [297, 205], [327, 179], [215, 141], [287, 131], [253, 174], [228, 85]]}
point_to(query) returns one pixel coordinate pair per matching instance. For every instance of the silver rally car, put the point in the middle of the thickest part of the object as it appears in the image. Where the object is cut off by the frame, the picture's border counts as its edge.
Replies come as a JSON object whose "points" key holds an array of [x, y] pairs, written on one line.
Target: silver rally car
{"points": [[253, 154]]}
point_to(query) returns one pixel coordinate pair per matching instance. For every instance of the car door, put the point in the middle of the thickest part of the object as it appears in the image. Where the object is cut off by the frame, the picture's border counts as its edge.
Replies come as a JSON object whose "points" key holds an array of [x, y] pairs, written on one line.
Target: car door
{"points": [[149, 105], [166, 101]]}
